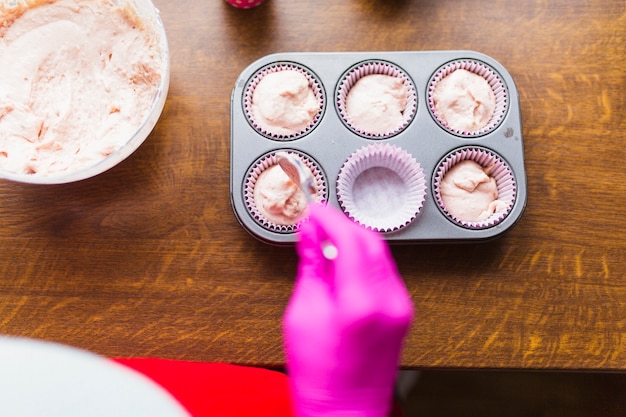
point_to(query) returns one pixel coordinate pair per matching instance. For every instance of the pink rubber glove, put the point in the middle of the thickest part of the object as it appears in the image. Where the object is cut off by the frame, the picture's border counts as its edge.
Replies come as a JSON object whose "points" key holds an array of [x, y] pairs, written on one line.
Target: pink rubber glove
{"points": [[346, 320]]}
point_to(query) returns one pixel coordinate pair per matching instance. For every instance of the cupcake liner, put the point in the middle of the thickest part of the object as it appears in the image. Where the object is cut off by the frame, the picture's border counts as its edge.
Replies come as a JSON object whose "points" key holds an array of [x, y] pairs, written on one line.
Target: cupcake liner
{"points": [[493, 79], [369, 68], [381, 187], [314, 82], [505, 182], [266, 162]]}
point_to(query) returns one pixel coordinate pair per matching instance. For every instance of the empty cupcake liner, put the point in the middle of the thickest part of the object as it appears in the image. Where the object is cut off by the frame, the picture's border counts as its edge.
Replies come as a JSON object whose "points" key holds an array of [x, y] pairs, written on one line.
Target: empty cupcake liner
{"points": [[505, 182], [493, 79], [381, 187], [368, 68], [314, 82], [270, 160]]}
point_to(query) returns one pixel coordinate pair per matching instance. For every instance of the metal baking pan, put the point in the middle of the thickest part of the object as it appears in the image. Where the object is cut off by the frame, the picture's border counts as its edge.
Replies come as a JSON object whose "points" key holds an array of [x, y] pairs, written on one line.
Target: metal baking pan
{"points": [[331, 141]]}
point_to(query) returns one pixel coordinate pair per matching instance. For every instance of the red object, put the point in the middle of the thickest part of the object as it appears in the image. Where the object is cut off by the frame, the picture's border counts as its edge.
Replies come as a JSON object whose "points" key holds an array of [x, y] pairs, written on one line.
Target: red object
{"points": [[208, 389], [244, 4], [218, 389]]}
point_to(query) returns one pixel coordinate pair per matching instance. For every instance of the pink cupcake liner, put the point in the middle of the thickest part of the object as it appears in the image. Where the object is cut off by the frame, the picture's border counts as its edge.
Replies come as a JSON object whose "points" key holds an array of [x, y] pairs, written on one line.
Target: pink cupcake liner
{"points": [[369, 68], [266, 162], [314, 82], [495, 82], [381, 187], [505, 181]]}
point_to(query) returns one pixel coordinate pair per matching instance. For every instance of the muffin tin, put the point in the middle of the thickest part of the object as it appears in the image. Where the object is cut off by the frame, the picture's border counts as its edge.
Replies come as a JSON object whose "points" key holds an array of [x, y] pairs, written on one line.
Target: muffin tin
{"points": [[330, 142]]}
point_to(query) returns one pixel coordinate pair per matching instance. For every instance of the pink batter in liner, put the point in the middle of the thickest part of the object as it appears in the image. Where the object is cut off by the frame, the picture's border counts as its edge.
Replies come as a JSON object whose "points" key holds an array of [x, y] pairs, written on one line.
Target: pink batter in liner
{"points": [[464, 101], [475, 188], [469, 193]]}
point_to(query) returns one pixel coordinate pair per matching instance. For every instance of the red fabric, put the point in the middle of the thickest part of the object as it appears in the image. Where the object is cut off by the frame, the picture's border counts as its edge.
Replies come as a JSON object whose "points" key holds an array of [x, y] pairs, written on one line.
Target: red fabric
{"points": [[208, 389], [218, 389]]}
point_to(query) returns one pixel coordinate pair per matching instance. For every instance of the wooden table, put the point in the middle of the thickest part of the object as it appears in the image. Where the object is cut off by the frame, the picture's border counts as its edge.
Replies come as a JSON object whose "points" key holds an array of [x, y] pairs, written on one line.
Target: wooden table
{"points": [[149, 259]]}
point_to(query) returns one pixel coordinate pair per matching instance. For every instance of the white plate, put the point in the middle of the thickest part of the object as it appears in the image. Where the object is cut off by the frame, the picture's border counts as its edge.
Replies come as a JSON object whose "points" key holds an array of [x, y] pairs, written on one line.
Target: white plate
{"points": [[44, 379]]}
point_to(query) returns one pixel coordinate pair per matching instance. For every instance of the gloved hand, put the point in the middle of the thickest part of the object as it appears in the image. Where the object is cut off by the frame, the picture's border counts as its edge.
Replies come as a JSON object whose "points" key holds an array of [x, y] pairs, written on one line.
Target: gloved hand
{"points": [[345, 322]]}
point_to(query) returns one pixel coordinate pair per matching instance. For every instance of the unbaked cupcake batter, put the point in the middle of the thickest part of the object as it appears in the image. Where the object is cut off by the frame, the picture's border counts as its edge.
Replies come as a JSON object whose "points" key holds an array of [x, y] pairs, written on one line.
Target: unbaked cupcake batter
{"points": [[77, 79], [376, 103], [469, 193], [278, 198], [284, 103], [464, 101]]}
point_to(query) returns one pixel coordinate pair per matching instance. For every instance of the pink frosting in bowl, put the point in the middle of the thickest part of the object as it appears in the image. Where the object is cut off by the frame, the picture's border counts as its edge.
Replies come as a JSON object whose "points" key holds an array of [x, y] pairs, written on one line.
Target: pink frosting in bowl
{"points": [[89, 92]]}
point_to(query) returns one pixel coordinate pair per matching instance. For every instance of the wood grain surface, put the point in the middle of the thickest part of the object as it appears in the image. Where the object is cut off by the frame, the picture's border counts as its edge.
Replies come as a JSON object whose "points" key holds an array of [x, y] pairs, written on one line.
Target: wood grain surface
{"points": [[148, 258]]}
